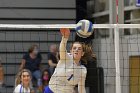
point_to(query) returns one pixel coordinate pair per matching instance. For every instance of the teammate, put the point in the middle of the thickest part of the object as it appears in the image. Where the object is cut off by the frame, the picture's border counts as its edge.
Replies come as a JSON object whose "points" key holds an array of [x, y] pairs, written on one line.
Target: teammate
{"points": [[23, 81], [69, 71]]}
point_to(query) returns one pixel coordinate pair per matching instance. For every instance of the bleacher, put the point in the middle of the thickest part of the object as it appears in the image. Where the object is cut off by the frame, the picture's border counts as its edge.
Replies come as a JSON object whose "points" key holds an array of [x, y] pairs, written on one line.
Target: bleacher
{"points": [[16, 45], [15, 42]]}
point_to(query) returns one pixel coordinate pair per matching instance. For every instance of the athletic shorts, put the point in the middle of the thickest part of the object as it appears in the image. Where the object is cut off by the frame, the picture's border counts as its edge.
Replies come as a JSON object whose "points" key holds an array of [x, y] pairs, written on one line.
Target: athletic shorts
{"points": [[47, 90]]}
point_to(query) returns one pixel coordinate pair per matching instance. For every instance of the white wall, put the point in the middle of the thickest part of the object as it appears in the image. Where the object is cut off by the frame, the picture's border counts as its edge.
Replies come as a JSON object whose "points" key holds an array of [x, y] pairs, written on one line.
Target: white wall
{"points": [[38, 11], [104, 49]]}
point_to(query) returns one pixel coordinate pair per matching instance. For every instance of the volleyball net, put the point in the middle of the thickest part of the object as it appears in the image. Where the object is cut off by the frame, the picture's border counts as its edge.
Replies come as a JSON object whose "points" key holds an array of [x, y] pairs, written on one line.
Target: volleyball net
{"points": [[116, 47]]}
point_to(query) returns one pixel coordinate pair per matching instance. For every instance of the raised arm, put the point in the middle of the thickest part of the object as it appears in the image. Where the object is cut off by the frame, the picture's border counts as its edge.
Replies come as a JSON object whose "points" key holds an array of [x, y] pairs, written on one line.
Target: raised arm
{"points": [[65, 32]]}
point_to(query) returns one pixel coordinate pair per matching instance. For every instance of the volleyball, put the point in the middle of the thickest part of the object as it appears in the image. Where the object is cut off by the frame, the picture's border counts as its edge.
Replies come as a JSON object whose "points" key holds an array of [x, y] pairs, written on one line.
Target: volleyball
{"points": [[84, 28]]}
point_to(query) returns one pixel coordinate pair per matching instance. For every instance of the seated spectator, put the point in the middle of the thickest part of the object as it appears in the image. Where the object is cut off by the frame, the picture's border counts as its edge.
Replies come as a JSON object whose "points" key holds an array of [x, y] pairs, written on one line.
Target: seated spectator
{"points": [[45, 79], [1, 74], [32, 62], [23, 82], [53, 58]]}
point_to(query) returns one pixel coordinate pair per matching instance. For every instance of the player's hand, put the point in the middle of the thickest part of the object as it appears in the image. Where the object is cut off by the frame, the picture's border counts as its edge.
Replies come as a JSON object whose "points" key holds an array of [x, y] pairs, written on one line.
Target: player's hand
{"points": [[65, 32]]}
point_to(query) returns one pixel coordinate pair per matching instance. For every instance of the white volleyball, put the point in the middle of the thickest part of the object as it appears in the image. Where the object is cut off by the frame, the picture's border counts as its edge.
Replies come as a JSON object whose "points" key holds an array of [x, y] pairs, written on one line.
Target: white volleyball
{"points": [[84, 28]]}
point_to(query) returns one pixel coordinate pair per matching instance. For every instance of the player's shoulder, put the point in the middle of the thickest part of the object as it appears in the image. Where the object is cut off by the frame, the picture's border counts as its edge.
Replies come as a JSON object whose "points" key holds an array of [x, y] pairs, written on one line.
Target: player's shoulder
{"points": [[18, 87], [82, 66], [84, 69]]}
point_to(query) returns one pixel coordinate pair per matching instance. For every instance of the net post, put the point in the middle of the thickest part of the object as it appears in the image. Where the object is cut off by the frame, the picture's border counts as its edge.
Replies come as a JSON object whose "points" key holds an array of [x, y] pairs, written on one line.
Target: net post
{"points": [[117, 58]]}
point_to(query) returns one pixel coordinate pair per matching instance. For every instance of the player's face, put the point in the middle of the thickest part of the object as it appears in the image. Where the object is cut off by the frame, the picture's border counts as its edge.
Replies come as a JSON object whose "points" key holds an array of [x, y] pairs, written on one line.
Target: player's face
{"points": [[45, 73], [77, 51], [25, 78], [46, 76]]}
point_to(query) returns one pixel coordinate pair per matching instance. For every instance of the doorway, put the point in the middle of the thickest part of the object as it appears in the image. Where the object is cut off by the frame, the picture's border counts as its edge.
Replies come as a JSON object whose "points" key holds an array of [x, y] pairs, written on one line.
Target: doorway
{"points": [[134, 73]]}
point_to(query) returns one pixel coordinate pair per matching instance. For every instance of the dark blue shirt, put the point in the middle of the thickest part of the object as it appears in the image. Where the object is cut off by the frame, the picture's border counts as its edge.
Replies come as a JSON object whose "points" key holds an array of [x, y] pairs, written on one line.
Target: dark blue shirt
{"points": [[32, 64]]}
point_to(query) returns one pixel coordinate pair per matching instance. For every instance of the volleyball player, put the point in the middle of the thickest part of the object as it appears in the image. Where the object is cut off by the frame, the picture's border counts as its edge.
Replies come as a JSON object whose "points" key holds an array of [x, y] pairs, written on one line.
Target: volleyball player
{"points": [[69, 70], [23, 81]]}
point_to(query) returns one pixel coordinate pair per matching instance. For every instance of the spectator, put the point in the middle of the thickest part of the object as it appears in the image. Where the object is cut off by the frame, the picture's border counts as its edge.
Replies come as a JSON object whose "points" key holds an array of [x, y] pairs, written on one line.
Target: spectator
{"points": [[1, 74], [52, 58], [45, 79], [32, 61], [23, 82]]}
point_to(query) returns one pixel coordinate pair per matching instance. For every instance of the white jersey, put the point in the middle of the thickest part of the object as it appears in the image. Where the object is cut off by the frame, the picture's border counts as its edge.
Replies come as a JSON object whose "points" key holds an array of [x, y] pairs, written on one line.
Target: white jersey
{"points": [[66, 75], [20, 89]]}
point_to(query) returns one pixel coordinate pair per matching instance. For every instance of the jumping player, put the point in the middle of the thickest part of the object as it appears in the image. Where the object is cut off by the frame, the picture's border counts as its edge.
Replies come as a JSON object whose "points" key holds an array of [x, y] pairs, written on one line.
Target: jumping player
{"points": [[69, 70]]}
